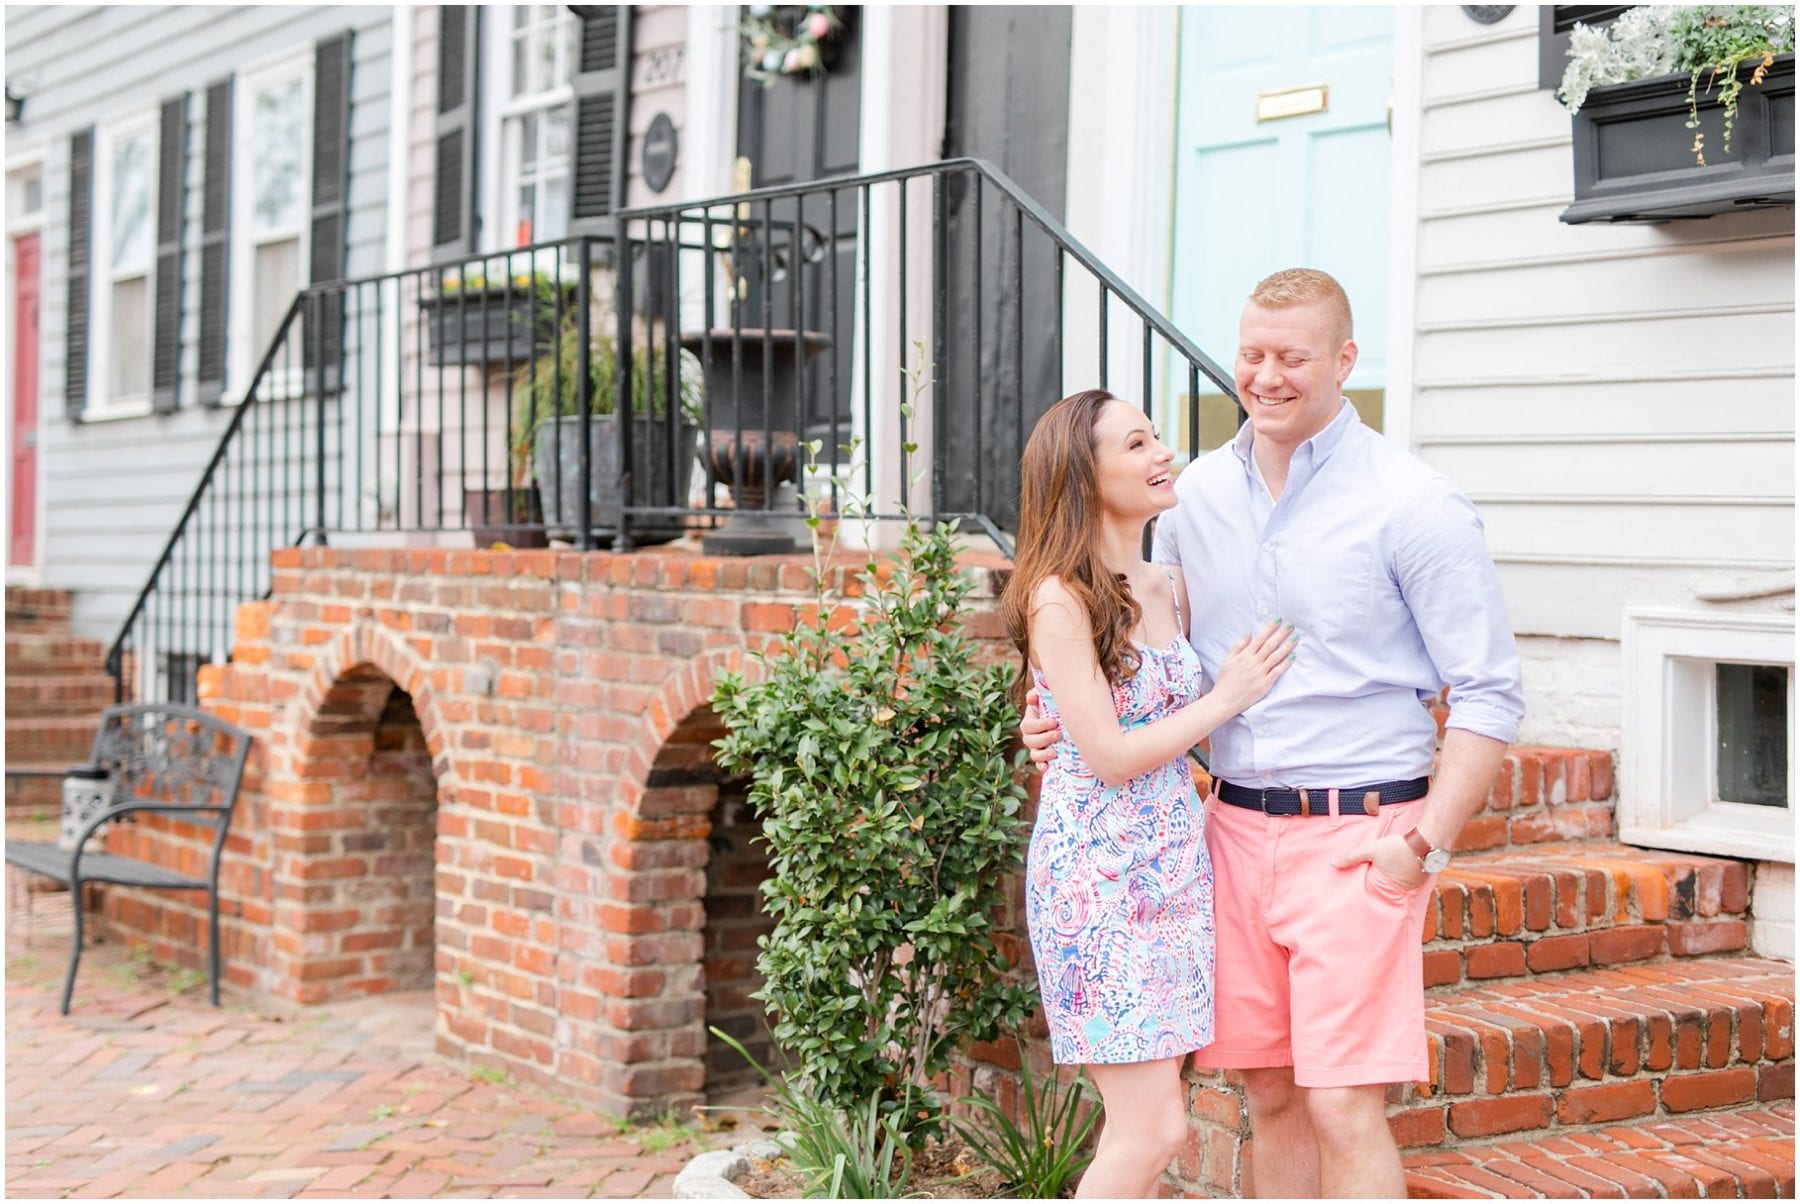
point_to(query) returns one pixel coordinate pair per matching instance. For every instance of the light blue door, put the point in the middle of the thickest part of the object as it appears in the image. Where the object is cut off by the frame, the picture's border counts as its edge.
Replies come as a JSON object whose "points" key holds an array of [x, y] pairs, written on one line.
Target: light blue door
{"points": [[1256, 192]]}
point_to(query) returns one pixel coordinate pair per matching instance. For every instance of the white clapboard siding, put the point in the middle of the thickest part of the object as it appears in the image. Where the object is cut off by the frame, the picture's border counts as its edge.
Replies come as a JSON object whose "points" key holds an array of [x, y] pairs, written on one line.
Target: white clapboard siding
{"points": [[1618, 400], [113, 489]]}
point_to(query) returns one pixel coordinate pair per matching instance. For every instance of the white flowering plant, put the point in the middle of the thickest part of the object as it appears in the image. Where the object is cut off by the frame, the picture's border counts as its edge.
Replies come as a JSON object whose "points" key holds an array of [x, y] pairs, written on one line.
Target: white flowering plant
{"points": [[1711, 40]]}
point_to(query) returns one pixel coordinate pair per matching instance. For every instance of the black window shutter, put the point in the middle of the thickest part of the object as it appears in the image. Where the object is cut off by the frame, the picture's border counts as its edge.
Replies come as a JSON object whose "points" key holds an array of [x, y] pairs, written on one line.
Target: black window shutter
{"points": [[602, 69], [75, 332], [171, 200], [215, 244], [453, 217], [330, 196]]}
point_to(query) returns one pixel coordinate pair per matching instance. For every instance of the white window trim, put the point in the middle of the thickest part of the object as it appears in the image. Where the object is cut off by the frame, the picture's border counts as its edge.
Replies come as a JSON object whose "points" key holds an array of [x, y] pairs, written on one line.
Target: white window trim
{"points": [[1667, 783], [242, 358], [497, 218], [101, 405]]}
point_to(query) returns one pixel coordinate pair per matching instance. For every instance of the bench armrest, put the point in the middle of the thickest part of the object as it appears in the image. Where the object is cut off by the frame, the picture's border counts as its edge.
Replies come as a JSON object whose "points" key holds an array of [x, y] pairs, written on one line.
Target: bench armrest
{"points": [[114, 812]]}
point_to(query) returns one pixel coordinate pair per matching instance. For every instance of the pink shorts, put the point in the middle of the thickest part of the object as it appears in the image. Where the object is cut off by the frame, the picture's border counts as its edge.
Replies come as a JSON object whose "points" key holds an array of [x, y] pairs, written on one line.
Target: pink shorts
{"points": [[1320, 969]]}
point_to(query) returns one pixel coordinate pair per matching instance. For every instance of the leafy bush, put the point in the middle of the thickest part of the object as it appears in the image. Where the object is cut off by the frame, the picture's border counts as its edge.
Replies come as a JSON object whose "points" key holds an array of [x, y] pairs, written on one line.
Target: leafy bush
{"points": [[877, 747], [1041, 1156]]}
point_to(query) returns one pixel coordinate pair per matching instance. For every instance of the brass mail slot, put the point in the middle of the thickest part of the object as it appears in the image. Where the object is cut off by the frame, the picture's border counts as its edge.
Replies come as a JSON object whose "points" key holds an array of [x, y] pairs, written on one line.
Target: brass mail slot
{"points": [[1292, 102]]}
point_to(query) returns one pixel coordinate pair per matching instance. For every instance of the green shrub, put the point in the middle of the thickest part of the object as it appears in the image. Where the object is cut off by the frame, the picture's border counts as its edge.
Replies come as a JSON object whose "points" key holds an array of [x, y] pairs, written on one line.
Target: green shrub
{"points": [[879, 760]]}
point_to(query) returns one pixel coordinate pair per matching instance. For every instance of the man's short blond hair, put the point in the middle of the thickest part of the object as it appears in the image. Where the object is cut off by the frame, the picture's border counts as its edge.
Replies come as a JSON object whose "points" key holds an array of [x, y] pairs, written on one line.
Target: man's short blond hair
{"points": [[1302, 286]]}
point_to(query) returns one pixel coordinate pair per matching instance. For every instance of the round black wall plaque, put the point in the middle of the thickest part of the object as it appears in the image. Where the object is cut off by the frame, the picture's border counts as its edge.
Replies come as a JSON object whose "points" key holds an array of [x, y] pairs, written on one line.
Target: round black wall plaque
{"points": [[660, 148], [1487, 14]]}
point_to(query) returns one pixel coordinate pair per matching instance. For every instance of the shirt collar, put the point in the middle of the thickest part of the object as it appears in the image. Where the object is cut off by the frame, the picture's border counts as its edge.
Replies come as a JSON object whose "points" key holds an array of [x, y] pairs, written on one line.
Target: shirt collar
{"points": [[1319, 447]]}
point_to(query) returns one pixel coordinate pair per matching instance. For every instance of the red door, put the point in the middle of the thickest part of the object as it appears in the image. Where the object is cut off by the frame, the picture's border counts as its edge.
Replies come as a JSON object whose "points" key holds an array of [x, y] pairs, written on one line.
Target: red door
{"points": [[22, 547]]}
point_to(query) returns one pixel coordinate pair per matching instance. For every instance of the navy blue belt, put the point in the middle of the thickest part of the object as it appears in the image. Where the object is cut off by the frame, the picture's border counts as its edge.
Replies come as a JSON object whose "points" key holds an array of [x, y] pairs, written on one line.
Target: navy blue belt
{"points": [[1316, 800]]}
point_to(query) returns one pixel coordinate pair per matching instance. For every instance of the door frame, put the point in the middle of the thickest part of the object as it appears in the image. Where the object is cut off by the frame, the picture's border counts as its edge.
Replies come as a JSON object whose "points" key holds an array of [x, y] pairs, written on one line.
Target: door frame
{"points": [[1149, 174], [31, 153]]}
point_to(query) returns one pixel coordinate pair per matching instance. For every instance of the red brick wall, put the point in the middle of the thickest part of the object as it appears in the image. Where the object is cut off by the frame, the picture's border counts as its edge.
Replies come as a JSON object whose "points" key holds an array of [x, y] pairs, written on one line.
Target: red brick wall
{"points": [[542, 717]]}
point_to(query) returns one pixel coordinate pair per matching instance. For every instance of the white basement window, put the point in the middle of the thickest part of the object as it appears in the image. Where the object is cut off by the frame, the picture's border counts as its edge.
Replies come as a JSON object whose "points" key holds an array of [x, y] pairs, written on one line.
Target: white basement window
{"points": [[1707, 740]]}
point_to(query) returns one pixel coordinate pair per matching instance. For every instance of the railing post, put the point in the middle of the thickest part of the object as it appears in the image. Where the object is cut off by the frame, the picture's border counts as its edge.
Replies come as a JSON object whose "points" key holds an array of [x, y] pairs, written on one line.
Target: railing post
{"points": [[315, 328], [584, 389], [940, 342], [622, 376]]}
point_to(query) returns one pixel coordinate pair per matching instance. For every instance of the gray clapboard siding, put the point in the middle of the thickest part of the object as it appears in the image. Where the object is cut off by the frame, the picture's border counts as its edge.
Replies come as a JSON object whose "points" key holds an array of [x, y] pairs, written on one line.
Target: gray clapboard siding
{"points": [[114, 488], [1617, 399]]}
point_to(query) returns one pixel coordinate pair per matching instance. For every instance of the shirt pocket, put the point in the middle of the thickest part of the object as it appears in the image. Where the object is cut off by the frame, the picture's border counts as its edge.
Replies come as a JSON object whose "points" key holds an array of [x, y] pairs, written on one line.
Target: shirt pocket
{"points": [[1328, 596]]}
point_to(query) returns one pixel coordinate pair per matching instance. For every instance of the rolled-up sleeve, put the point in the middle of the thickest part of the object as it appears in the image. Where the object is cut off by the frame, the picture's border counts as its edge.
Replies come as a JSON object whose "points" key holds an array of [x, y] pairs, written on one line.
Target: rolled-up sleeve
{"points": [[1441, 563]]}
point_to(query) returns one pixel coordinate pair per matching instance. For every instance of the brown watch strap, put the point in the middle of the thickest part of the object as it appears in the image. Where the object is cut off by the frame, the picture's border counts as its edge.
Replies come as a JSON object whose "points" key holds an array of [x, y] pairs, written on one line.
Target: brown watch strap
{"points": [[1415, 840]]}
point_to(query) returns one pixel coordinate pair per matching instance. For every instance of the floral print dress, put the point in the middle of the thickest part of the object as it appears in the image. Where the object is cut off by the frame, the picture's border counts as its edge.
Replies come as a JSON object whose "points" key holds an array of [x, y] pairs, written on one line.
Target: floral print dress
{"points": [[1119, 889]]}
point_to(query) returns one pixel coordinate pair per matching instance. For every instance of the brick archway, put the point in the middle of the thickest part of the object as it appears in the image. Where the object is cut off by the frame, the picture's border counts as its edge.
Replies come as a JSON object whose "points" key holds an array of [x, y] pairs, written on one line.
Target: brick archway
{"points": [[354, 784]]}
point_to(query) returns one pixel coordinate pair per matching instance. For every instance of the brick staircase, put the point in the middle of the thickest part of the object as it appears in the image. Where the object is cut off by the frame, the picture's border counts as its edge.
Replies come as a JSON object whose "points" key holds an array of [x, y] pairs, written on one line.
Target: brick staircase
{"points": [[56, 687], [1597, 1024]]}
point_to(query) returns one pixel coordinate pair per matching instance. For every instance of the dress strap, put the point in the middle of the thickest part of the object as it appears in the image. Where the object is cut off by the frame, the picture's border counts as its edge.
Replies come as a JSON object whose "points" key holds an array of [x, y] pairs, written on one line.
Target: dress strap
{"points": [[1175, 597]]}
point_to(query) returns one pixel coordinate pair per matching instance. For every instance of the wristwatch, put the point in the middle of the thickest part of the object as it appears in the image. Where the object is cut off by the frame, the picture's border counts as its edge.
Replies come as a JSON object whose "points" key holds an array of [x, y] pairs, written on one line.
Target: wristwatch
{"points": [[1434, 860]]}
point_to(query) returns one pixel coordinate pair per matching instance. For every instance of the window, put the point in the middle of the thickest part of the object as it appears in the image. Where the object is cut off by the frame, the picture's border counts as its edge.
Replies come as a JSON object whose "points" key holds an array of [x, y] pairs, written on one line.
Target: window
{"points": [[272, 158], [535, 100], [1709, 705], [25, 197], [124, 256]]}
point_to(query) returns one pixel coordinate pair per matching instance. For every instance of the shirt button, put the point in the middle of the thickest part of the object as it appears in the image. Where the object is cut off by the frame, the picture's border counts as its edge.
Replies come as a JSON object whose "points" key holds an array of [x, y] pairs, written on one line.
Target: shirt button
{"points": [[1268, 547]]}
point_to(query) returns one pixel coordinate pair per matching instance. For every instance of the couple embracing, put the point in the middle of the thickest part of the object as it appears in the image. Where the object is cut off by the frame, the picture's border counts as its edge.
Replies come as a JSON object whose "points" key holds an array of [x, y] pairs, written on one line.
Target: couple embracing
{"points": [[1312, 585]]}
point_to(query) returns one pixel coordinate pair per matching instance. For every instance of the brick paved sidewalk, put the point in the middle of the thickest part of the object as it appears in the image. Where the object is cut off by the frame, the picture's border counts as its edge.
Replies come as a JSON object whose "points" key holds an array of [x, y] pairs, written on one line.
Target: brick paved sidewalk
{"points": [[145, 1092]]}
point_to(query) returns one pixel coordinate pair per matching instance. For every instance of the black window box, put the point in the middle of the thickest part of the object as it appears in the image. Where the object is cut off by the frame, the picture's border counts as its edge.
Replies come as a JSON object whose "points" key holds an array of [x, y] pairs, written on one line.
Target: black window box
{"points": [[496, 328], [1634, 160]]}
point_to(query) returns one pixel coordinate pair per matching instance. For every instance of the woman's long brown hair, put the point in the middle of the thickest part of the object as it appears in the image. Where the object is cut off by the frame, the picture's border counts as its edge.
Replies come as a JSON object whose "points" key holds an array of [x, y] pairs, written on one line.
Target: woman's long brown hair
{"points": [[1059, 536]]}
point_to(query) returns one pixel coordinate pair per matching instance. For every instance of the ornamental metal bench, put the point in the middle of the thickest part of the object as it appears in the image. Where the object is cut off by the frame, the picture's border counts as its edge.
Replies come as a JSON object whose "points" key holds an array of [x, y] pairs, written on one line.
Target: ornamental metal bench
{"points": [[164, 759]]}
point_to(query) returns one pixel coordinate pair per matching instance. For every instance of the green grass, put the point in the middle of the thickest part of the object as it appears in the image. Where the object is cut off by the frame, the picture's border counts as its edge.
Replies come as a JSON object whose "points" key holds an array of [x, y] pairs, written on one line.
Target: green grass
{"points": [[184, 980], [488, 1074], [381, 1111], [665, 1131]]}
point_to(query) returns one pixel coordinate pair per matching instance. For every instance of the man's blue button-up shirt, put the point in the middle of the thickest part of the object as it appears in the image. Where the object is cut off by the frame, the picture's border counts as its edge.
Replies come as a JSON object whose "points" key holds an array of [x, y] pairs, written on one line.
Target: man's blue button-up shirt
{"points": [[1380, 565]]}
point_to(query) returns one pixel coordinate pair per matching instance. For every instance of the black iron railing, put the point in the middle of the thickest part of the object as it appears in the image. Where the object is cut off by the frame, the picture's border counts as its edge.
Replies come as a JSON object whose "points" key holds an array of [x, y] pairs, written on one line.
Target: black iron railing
{"points": [[829, 291], [663, 383]]}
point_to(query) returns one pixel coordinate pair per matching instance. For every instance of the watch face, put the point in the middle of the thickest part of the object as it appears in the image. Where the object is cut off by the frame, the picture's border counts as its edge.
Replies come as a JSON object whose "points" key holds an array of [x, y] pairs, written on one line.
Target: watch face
{"points": [[1436, 860]]}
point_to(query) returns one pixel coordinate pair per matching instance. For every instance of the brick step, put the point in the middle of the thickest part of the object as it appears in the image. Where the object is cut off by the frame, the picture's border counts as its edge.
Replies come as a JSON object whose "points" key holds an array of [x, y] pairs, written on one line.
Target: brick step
{"points": [[1555, 907], [30, 794], [1602, 1047], [1747, 1154], [1544, 794], [58, 740], [40, 695], [38, 653], [37, 609]]}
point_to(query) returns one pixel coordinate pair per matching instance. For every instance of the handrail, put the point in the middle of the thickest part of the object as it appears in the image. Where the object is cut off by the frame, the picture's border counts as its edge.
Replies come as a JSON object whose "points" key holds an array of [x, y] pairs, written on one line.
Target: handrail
{"points": [[114, 654], [1040, 217]]}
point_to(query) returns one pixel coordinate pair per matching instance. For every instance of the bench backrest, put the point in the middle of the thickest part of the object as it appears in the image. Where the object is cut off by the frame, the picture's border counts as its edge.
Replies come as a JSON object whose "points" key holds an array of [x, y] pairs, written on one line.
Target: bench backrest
{"points": [[173, 756]]}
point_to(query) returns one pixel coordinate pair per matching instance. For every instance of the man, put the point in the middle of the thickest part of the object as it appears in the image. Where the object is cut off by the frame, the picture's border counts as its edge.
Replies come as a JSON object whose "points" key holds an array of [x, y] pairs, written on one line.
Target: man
{"points": [[1380, 565]]}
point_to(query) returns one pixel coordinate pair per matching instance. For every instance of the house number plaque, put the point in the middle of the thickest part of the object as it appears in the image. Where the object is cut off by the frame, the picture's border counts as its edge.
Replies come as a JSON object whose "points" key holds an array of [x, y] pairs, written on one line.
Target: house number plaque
{"points": [[1292, 102]]}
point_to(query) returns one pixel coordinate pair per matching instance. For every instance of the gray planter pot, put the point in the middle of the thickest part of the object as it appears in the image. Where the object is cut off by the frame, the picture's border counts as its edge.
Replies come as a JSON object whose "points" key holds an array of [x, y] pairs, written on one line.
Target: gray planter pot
{"points": [[663, 474]]}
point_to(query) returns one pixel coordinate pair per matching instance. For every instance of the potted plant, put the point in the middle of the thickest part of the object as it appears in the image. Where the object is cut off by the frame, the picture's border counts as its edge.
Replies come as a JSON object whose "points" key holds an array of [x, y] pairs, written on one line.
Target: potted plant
{"points": [[497, 320], [1659, 90], [547, 426]]}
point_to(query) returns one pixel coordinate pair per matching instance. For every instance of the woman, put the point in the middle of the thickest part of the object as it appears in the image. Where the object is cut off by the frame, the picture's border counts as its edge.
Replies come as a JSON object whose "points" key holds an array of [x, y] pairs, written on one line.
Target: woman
{"points": [[1118, 883]]}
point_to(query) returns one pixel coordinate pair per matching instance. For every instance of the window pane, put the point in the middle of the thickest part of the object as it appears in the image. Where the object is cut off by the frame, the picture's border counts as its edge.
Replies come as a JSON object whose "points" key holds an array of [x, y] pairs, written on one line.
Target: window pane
{"points": [[1753, 733], [521, 59], [555, 223], [526, 231], [129, 354], [131, 233], [277, 280], [556, 135], [528, 142], [276, 149]]}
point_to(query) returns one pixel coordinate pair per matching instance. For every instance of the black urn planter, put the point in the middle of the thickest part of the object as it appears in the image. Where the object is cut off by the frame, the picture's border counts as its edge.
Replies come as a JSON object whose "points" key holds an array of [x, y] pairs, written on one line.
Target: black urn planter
{"points": [[753, 416], [663, 473], [1634, 159], [509, 516], [493, 327]]}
